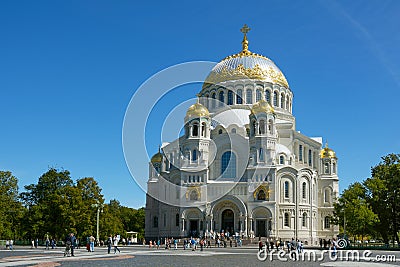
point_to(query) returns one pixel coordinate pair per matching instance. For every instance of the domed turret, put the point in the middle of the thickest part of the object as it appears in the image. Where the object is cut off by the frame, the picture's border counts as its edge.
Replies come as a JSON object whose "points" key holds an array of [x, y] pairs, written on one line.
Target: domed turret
{"points": [[262, 106], [157, 158], [326, 152], [197, 110]]}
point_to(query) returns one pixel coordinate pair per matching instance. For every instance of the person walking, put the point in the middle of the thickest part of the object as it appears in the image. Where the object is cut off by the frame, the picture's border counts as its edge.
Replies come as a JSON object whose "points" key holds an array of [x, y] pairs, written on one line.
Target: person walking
{"points": [[73, 243], [91, 243], [116, 240], [109, 244]]}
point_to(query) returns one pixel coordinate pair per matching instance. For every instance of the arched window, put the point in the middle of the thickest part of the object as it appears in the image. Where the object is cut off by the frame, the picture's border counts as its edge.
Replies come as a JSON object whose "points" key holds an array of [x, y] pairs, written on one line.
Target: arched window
{"points": [[334, 167], [228, 165], [249, 96], [270, 127], [233, 130], [220, 131], [309, 157], [304, 220], [287, 102], [282, 100], [194, 155], [300, 152], [286, 220], [261, 127], [275, 99], [203, 129], [155, 221], [177, 219], [194, 195], [261, 156], [221, 98], [213, 100], [304, 190], [286, 188], [281, 159], [327, 222], [195, 129], [230, 97], [239, 96], [327, 195], [268, 96], [258, 95], [261, 195], [326, 168]]}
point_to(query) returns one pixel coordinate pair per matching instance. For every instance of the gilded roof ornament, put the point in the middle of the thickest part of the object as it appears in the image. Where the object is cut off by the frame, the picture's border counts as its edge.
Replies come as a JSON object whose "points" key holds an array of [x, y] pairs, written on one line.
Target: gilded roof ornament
{"points": [[326, 152], [262, 106], [245, 43], [197, 110]]}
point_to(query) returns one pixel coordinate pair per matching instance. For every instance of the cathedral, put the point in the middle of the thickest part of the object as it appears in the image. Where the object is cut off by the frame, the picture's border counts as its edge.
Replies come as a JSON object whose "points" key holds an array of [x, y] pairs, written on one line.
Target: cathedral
{"points": [[240, 165]]}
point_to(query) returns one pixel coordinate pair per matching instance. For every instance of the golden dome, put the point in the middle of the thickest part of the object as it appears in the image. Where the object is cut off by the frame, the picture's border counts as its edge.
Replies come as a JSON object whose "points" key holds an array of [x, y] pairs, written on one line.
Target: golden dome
{"points": [[326, 152], [262, 106], [157, 158], [197, 110], [246, 65]]}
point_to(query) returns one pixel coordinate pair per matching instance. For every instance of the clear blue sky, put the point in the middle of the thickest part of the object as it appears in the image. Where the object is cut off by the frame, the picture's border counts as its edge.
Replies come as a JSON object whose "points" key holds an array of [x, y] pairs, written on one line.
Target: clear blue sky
{"points": [[68, 70]]}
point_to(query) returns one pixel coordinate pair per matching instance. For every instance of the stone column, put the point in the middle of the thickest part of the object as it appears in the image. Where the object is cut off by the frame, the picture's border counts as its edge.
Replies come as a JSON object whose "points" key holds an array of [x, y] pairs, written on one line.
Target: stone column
{"points": [[183, 224]]}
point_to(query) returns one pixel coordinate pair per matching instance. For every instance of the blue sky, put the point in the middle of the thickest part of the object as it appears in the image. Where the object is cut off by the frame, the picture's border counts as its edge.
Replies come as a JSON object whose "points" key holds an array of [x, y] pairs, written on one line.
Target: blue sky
{"points": [[68, 70]]}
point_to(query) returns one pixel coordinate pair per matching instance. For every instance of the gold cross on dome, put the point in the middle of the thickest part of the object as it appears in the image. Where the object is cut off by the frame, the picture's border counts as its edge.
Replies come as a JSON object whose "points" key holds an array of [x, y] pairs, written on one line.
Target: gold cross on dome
{"points": [[245, 29]]}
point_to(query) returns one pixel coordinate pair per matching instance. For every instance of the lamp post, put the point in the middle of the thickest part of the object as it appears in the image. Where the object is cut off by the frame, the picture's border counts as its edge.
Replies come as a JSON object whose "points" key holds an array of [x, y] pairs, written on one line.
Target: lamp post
{"points": [[99, 207]]}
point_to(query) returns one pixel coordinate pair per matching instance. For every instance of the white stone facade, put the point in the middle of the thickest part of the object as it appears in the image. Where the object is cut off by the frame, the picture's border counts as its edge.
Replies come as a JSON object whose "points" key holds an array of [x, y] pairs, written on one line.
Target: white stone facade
{"points": [[241, 166]]}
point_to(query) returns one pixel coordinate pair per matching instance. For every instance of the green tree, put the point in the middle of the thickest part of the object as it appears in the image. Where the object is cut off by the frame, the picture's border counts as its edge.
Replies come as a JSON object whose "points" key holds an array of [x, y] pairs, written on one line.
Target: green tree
{"points": [[11, 209], [353, 207], [383, 193]]}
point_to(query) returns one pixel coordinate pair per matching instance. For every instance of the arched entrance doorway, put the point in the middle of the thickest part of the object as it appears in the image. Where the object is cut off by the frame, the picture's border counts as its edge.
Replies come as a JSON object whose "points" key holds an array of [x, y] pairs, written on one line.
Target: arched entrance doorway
{"points": [[263, 222], [228, 221]]}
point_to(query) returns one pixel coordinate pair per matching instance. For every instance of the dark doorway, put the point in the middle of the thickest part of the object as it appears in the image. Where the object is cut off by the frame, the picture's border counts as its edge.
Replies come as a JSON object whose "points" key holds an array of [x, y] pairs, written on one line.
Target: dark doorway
{"points": [[260, 228], [193, 230], [228, 221]]}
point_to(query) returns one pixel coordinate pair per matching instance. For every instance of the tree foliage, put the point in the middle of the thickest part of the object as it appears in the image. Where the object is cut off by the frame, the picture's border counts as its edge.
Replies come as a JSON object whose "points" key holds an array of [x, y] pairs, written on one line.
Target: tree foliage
{"points": [[55, 206], [372, 207]]}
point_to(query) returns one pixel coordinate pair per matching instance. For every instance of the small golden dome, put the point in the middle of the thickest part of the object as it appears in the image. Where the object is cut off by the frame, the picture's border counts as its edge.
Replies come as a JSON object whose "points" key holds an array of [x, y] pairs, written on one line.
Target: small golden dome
{"points": [[326, 152], [262, 106], [157, 158], [197, 110]]}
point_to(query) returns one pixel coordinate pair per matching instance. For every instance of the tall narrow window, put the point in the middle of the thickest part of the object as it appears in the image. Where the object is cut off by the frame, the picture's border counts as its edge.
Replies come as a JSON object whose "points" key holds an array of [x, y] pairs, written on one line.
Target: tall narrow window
{"points": [[268, 96], [195, 129], [286, 220], [275, 99], [282, 100], [221, 98], [213, 100], [286, 188], [155, 222], [327, 195], [194, 155], [239, 96], [177, 219], [281, 159], [300, 152], [304, 220], [230, 97], [261, 154], [334, 167], [304, 190], [258, 95], [203, 129], [326, 168], [327, 222], [287, 102], [309, 157], [249, 96], [261, 126], [228, 165]]}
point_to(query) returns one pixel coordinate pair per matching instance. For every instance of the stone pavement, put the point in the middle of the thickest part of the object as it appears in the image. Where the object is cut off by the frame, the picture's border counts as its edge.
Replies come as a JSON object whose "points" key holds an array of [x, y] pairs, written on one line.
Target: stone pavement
{"points": [[143, 256]]}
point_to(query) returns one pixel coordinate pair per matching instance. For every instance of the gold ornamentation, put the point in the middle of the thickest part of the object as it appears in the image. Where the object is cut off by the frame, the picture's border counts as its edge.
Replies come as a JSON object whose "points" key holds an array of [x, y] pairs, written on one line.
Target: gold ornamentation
{"points": [[245, 43], [326, 152], [262, 106], [193, 189], [240, 72], [265, 188], [197, 110]]}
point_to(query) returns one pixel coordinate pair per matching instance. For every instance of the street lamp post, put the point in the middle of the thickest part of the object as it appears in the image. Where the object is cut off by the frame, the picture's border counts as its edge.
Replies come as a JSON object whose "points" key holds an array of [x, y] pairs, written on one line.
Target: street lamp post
{"points": [[99, 207]]}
